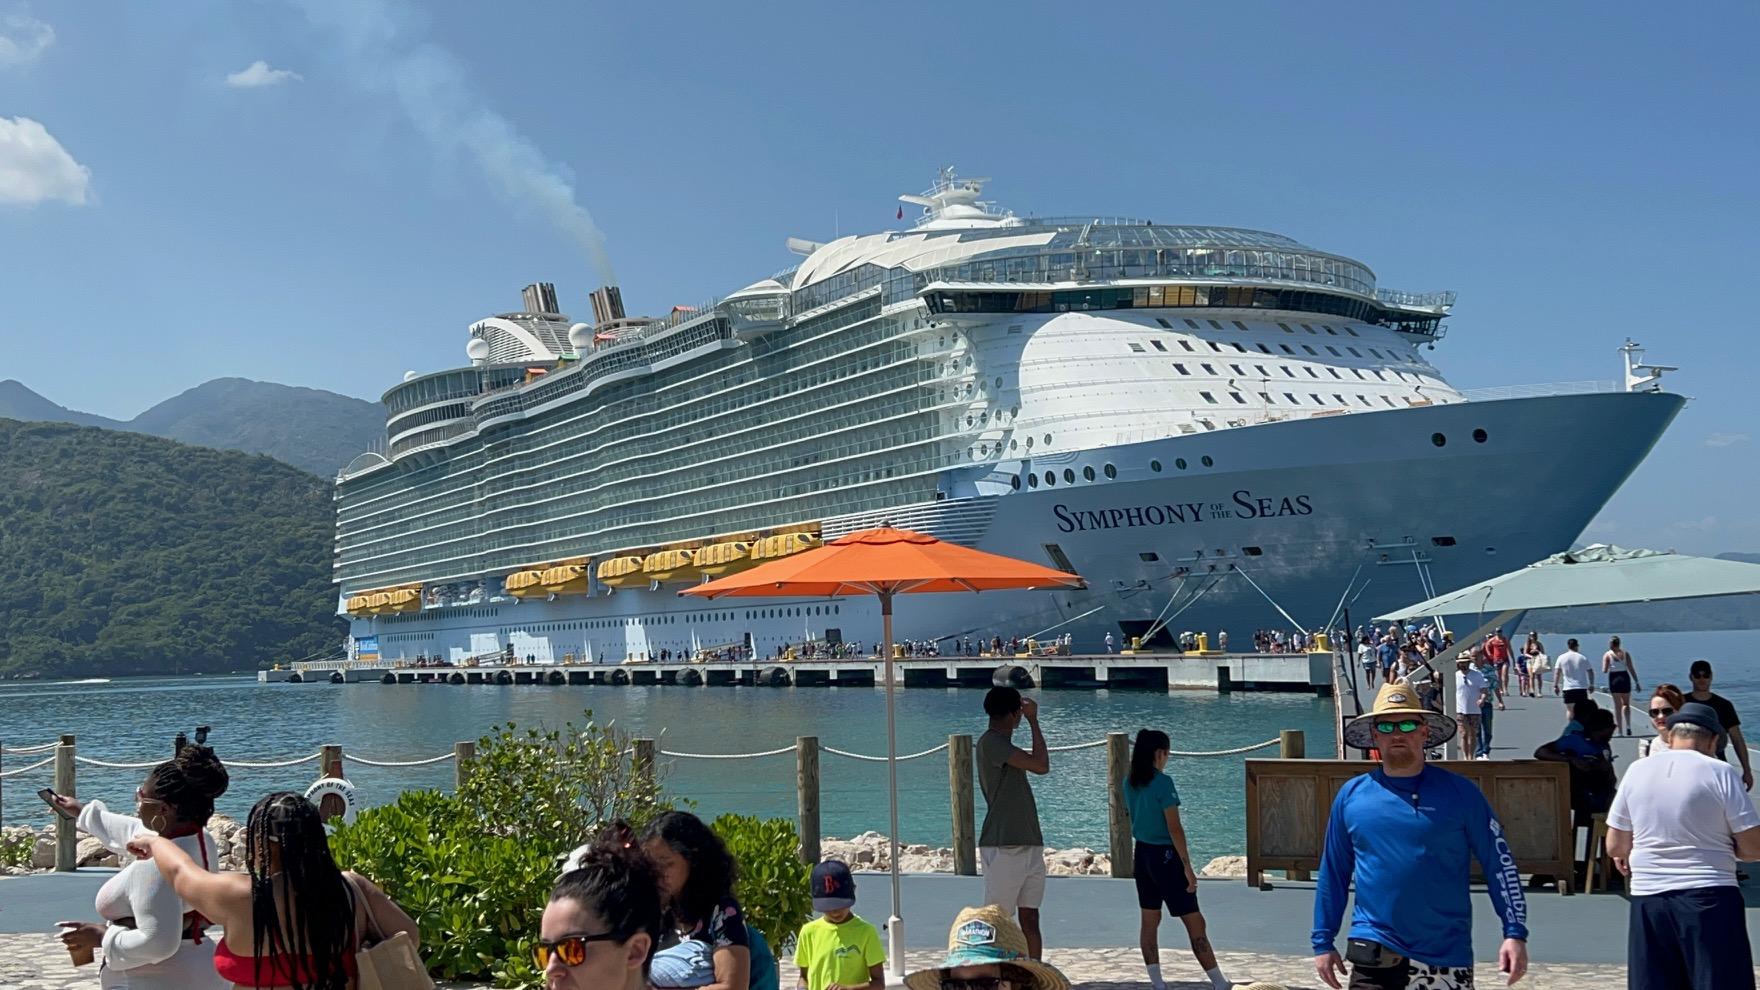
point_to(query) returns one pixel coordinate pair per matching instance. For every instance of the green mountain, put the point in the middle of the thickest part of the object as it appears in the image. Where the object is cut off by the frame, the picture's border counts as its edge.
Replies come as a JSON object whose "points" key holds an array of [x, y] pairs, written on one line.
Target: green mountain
{"points": [[127, 554], [314, 430]]}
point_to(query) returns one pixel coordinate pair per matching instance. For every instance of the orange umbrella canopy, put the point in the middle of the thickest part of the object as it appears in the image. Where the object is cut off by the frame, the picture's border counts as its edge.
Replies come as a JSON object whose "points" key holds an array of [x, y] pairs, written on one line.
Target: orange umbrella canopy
{"points": [[884, 561]]}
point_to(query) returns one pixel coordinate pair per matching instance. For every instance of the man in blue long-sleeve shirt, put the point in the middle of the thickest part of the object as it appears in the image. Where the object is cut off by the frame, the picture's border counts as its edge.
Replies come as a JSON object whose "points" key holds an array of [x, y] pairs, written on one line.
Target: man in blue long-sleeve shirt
{"points": [[1407, 834]]}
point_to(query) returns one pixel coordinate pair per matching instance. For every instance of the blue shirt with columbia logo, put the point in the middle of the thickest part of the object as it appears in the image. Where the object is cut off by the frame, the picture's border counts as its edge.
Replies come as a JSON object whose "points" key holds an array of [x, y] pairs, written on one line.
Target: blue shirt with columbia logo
{"points": [[1409, 842]]}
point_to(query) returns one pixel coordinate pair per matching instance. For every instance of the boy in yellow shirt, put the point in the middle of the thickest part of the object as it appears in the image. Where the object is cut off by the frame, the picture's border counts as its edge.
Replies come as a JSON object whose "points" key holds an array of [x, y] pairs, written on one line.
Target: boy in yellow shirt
{"points": [[838, 951]]}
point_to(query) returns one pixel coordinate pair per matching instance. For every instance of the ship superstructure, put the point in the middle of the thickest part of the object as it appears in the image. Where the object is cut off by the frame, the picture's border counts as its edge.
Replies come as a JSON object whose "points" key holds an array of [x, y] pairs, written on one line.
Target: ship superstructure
{"points": [[1161, 408]]}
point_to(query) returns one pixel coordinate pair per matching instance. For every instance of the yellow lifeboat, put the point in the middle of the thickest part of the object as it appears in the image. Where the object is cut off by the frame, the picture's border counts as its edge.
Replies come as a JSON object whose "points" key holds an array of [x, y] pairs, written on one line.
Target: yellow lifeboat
{"points": [[523, 584], [566, 579], [784, 545], [622, 572], [405, 600], [357, 605], [669, 565], [717, 559], [379, 602]]}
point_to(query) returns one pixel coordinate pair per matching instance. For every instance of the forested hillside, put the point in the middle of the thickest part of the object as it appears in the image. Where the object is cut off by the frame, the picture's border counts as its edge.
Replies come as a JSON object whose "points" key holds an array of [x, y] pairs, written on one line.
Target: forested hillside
{"points": [[127, 554]]}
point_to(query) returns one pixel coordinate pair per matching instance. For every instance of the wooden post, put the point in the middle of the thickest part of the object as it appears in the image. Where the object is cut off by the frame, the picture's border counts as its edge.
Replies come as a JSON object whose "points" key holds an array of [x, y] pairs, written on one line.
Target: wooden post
{"points": [[462, 754], [642, 760], [965, 829], [1293, 745], [66, 839], [806, 787], [1118, 817], [330, 765]]}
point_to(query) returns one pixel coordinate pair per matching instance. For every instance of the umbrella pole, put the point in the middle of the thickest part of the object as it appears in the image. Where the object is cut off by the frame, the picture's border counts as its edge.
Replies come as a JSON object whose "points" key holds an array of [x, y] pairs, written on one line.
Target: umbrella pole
{"points": [[894, 924]]}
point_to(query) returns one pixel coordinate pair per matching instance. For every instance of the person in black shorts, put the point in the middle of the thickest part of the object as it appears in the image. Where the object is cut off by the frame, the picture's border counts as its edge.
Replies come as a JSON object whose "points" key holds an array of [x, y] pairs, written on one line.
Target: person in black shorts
{"points": [[1163, 866], [1622, 680]]}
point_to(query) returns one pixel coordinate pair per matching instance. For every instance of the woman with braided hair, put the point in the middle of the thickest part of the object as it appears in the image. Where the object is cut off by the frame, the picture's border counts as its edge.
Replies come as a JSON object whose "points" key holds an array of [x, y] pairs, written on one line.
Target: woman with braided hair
{"points": [[295, 920], [151, 939]]}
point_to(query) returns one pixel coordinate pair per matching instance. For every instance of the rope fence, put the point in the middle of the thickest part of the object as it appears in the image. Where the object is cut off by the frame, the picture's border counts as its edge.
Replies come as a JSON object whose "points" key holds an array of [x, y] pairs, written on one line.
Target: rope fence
{"points": [[26, 750], [35, 766]]}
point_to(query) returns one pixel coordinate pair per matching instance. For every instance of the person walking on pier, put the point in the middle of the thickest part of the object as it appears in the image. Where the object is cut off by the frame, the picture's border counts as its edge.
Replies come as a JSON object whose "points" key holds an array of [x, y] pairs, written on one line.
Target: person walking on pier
{"points": [[1470, 688], [1497, 651], [1681, 821], [1010, 845], [1575, 679], [1622, 680], [1700, 672], [1407, 833], [1161, 862]]}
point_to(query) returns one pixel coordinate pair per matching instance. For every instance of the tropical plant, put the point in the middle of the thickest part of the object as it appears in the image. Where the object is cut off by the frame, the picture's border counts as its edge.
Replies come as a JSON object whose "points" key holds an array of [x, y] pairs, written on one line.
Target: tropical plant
{"points": [[774, 886], [477, 898], [558, 788]]}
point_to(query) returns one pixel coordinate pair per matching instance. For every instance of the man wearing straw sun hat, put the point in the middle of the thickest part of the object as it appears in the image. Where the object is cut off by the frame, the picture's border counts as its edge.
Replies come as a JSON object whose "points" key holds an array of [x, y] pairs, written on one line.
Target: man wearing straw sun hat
{"points": [[1406, 834]]}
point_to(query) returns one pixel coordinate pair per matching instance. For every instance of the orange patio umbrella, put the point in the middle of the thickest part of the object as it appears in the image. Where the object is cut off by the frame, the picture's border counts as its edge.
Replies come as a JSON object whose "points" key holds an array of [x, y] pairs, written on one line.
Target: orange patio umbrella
{"points": [[886, 562]]}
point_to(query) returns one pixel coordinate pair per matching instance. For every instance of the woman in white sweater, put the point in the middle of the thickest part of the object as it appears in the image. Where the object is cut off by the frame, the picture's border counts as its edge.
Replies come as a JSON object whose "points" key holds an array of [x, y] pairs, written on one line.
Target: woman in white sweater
{"points": [[150, 939]]}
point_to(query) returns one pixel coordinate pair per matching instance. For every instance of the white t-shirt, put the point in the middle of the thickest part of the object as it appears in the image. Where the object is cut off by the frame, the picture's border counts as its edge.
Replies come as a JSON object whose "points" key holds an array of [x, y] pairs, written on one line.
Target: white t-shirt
{"points": [[1683, 809], [1574, 671], [1469, 691]]}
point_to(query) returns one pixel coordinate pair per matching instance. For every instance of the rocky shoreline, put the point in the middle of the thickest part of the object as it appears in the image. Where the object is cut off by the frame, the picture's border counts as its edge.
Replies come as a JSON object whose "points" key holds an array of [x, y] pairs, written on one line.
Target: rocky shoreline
{"points": [[867, 851], [872, 851]]}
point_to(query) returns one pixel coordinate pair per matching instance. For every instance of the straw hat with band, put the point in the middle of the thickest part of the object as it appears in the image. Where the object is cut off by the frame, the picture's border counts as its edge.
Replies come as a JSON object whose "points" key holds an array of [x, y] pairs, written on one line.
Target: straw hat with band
{"points": [[983, 936], [1393, 702]]}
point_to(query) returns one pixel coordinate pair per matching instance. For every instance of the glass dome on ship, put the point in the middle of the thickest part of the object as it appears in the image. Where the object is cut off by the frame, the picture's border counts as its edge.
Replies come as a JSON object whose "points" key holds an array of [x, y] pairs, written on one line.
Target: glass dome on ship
{"points": [[1215, 426]]}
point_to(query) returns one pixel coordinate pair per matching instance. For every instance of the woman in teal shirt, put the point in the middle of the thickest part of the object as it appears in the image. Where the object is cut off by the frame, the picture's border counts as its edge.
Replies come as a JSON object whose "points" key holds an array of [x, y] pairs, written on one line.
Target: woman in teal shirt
{"points": [[1163, 867]]}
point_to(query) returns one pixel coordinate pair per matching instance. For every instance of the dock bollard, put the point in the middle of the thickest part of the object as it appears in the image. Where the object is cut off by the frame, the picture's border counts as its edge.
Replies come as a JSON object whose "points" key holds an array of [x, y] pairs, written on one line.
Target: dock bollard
{"points": [[66, 839], [462, 754], [806, 788], [965, 829], [1118, 816]]}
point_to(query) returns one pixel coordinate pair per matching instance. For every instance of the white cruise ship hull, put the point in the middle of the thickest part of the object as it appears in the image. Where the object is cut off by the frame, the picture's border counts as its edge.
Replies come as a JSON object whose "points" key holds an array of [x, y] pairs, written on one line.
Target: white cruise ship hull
{"points": [[1287, 521]]}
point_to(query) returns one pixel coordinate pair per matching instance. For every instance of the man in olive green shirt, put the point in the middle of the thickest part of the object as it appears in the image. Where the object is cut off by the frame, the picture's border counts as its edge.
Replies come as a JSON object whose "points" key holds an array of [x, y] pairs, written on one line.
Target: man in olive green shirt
{"points": [[1010, 845]]}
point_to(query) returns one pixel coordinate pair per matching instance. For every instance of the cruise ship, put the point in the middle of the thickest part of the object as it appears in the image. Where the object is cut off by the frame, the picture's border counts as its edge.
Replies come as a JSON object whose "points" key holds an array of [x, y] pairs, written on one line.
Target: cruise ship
{"points": [[1220, 429]]}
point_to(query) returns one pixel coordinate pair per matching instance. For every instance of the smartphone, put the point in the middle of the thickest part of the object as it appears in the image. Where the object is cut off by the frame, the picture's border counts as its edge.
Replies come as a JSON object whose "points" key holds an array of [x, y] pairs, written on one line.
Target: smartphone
{"points": [[48, 797]]}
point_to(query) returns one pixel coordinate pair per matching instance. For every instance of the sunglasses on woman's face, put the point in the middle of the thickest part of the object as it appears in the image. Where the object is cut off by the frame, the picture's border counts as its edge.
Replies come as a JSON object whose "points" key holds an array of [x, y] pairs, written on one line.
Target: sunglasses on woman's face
{"points": [[974, 983], [572, 949], [1661, 712]]}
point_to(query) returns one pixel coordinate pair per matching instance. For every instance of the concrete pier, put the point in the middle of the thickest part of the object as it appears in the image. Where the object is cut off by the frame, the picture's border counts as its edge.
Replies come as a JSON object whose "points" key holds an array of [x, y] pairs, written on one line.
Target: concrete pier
{"points": [[1299, 672]]}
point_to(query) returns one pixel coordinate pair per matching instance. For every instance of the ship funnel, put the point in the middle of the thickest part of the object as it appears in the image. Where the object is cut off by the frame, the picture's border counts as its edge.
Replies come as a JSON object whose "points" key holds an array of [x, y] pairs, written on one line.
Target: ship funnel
{"points": [[607, 304]]}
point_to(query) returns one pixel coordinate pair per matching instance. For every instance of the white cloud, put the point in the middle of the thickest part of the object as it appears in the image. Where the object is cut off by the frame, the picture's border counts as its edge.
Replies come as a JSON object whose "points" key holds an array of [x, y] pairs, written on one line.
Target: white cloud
{"points": [[34, 167], [1725, 439], [22, 39], [259, 74]]}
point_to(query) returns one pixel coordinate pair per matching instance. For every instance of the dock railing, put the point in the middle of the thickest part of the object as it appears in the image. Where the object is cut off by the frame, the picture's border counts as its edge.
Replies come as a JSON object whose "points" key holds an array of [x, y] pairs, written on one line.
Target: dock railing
{"points": [[644, 753]]}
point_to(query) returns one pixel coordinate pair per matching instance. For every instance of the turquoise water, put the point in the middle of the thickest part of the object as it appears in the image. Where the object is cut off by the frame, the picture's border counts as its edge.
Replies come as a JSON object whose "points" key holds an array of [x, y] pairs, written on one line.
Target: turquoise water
{"points": [[134, 720]]}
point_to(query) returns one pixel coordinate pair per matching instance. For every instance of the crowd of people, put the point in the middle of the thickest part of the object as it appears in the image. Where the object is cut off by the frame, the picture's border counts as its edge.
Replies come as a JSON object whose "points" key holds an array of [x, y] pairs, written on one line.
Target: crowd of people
{"points": [[656, 908]]}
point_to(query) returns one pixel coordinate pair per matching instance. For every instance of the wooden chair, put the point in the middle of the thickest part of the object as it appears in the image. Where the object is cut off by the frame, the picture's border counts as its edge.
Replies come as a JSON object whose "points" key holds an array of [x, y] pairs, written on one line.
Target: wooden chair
{"points": [[1598, 871]]}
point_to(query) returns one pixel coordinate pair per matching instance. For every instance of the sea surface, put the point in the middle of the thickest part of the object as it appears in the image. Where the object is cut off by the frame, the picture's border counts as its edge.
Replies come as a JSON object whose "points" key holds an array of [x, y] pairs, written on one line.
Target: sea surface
{"points": [[135, 719]]}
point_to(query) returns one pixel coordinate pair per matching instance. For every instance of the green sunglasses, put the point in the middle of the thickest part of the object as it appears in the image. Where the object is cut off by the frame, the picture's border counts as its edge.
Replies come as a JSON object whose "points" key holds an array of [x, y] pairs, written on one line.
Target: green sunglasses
{"points": [[1403, 725]]}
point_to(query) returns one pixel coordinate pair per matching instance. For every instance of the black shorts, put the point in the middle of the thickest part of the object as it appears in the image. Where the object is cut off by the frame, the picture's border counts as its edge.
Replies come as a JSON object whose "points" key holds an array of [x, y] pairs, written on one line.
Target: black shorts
{"points": [[1161, 879], [1574, 695], [1619, 682], [1695, 939]]}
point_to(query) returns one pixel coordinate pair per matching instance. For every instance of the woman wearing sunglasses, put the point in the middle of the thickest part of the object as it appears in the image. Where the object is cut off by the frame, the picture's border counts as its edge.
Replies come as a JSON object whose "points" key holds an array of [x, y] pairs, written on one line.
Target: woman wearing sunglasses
{"points": [[603, 920], [1664, 701]]}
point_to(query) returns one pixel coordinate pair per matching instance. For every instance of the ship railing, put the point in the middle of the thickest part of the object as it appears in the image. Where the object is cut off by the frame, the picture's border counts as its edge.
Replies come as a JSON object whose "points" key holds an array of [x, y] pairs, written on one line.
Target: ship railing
{"points": [[1415, 300], [1537, 391]]}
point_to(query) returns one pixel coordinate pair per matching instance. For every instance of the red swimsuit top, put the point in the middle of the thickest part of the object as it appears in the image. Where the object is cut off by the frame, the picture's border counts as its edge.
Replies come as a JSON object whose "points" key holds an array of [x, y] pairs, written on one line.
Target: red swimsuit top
{"points": [[276, 970]]}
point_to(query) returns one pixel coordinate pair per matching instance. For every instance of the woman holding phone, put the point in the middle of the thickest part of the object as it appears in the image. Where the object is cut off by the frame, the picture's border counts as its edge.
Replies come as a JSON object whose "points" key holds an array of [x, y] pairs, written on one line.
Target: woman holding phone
{"points": [[150, 939]]}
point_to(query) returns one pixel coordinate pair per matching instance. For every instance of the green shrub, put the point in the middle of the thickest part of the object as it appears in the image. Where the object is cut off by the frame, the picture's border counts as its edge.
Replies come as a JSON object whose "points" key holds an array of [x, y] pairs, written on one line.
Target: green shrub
{"points": [[774, 885], [16, 847], [559, 787]]}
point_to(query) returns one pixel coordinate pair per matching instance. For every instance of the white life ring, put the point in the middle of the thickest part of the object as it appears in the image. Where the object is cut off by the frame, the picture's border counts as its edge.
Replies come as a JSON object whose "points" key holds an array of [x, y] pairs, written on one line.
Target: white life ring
{"points": [[339, 788]]}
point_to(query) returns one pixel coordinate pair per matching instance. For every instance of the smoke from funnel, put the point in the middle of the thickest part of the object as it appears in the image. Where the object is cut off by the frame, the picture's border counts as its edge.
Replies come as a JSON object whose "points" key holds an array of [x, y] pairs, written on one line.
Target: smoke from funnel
{"points": [[384, 54]]}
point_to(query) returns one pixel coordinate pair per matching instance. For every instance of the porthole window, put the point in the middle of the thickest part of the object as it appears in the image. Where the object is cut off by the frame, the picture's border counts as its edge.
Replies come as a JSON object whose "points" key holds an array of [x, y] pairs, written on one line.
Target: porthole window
{"points": [[1207, 462], [1047, 438], [1179, 462], [1015, 482], [1051, 477], [1111, 472], [1032, 481], [1442, 541], [1069, 477], [1253, 551], [1480, 436], [1155, 466], [1088, 473], [1438, 439]]}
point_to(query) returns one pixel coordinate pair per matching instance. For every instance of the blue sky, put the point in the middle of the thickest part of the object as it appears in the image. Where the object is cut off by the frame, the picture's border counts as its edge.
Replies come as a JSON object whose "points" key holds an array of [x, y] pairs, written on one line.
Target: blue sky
{"points": [[172, 211]]}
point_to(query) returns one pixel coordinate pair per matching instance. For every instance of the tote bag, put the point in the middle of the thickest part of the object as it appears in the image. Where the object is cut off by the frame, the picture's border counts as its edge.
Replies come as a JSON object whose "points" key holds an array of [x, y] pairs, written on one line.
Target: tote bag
{"points": [[388, 963]]}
